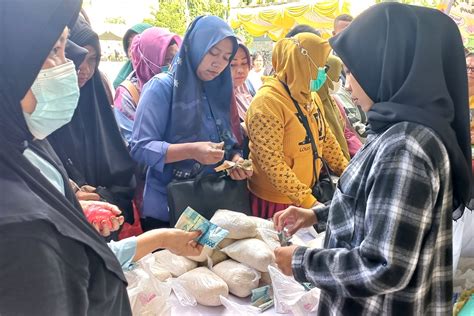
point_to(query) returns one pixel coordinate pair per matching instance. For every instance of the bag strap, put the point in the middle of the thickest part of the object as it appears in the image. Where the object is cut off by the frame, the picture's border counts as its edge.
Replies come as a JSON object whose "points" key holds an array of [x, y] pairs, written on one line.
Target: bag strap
{"points": [[127, 84], [309, 134]]}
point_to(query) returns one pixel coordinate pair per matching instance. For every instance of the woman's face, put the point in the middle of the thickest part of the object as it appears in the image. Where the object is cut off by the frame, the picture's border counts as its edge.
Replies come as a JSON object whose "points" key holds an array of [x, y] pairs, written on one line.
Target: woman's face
{"points": [[359, 97], [470, 74], [170, 53], [240, 67], [129, 42], [258, 63], [88, 66], [215, 61], [55, 58]]}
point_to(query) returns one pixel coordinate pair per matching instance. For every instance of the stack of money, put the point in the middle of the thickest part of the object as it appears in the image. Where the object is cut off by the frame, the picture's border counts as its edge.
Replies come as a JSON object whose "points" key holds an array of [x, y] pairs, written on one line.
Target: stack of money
{"points": [[230, 165], [211, 234], [262, 298]]}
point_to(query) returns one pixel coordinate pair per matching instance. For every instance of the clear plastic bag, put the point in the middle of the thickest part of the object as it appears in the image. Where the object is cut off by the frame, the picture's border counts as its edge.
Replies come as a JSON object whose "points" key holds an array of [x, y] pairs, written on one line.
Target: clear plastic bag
{"points": [[204, 256], [240, 278], [238, 309], [269, 236], [148, 295], [204, 285], [176, 265], [239, 225], [290, 296], [252, 252], [183, 296]]}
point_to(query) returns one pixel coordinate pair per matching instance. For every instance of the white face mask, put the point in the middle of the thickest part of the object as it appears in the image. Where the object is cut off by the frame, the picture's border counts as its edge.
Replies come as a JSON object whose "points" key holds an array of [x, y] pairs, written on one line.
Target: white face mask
{"points": [[56, 92]]}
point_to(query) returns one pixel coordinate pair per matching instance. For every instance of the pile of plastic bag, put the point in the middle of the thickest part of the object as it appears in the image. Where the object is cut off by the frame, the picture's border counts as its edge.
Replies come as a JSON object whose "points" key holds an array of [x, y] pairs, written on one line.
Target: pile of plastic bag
{"points": [[238, 266]]}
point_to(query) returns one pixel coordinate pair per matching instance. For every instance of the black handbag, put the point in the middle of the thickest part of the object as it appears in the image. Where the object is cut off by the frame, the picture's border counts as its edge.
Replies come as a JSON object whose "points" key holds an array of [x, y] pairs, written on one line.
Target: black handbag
{"points": [[325, 185], [207, 194]]}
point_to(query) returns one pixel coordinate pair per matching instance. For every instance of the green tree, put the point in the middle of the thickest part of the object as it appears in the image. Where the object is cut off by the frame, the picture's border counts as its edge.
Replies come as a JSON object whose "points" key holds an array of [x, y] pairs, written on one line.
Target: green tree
{"points": [[172, 14], [115, 20], [244, 36]]}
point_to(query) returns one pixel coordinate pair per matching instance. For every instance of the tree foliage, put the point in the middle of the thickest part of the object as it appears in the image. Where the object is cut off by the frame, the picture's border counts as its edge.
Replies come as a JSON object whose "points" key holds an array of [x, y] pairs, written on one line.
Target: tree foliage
{"points": [[116, 20], [177, 14]]}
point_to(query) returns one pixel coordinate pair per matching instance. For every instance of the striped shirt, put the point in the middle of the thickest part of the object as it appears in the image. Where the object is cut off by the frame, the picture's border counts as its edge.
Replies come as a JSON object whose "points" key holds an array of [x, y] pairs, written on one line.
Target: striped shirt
{"points": [[388, 248]]}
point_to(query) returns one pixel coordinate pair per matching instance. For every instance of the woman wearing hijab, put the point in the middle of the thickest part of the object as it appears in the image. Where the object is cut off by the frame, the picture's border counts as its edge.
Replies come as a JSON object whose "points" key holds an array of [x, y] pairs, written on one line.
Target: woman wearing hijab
{"points": [[243, 88], [53, 261], [331, 111], [351, 139], [151, 53], [335, 119], [388, 247], [127, 40], [183, 123], [279, 145], [243, 91], [90, 146]]}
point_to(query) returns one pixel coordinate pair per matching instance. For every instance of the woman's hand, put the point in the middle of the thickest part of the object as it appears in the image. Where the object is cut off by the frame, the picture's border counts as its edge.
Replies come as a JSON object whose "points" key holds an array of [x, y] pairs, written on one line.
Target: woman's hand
{"points": [[182, 243], [283, 257], [109, 219], [294, 218], [238, 173], [87, 193], [208, 153]]}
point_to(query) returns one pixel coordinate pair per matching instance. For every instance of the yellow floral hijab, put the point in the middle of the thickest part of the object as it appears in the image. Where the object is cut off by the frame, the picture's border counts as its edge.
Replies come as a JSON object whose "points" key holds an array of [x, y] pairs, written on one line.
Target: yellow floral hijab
{"points": [[294, 68]]}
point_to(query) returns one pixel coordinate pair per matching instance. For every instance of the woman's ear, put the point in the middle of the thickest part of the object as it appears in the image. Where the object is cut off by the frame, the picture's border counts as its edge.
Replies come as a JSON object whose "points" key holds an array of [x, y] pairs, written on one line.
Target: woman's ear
{"points": [[28, 103]]}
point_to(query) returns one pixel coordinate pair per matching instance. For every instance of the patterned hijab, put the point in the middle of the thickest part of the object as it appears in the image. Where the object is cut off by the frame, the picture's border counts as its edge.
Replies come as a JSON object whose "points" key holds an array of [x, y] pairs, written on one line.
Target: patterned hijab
{"points": [[127, 66], [414, 71], [149, 52], [187, 110]]}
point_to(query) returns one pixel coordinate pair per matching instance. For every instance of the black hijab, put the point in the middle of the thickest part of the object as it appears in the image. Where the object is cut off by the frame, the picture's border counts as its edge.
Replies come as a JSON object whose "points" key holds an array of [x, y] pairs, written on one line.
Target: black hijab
{"points": [[410, 62], [25, 194], [90, 146]]}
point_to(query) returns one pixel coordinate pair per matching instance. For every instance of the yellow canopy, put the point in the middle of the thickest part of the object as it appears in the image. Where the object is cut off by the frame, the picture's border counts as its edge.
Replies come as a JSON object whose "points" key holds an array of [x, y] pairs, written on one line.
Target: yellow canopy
{"points": [[276, 21]]}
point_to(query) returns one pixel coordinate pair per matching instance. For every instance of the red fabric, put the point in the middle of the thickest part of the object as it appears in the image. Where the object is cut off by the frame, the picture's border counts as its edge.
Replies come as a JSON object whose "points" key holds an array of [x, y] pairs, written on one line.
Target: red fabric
{"points": [[132, 230], [135, 229], [265, 209]]}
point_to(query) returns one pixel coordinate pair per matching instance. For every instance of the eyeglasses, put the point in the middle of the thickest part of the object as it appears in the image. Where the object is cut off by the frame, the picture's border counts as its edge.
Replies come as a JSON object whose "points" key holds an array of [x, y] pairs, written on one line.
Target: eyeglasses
{"points": [[304, 52], [470, 69]]}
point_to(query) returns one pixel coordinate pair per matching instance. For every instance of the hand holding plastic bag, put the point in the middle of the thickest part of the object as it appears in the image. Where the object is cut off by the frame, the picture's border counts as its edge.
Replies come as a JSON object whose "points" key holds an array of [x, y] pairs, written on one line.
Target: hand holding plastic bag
{"points": [[290, 296]]}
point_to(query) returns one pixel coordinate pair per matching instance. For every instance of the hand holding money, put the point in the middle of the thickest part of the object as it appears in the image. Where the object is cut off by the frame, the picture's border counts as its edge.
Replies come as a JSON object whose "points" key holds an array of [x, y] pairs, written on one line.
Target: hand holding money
{"points": [[238, 169], [211, 235]]}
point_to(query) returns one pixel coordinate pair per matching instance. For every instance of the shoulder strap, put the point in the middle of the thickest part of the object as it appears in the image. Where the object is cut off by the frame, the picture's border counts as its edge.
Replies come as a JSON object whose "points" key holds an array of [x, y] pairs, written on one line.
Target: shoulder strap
{"points": [[127, 84], [304, 121]]}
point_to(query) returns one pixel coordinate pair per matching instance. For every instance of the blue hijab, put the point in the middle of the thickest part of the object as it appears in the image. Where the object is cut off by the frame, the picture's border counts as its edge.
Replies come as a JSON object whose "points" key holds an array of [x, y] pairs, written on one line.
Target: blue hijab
{"points": [[185, 123]]}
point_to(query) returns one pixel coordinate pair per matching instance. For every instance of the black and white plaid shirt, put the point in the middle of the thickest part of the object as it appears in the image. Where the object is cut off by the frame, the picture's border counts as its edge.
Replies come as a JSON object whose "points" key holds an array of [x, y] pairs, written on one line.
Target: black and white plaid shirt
{"points": [[388, 248]]}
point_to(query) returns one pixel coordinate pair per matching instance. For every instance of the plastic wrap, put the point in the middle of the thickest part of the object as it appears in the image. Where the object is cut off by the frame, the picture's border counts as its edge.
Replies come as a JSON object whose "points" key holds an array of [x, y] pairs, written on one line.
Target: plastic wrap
{"points": [[206, 253], [239, 309], [269, 237], [240, 278], [252, 252], [175, 264], [204, 285], [239, 225], [290, 296], [148, 295]]}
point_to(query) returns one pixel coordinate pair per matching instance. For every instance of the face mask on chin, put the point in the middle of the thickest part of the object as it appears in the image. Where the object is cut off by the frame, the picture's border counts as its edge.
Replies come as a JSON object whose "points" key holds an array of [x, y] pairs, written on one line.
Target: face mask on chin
{"points": [[57, 92]]}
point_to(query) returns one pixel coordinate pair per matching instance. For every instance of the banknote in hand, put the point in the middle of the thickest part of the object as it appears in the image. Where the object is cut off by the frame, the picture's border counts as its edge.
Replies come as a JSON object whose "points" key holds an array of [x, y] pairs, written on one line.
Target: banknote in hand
{"points": [[211, 234]]}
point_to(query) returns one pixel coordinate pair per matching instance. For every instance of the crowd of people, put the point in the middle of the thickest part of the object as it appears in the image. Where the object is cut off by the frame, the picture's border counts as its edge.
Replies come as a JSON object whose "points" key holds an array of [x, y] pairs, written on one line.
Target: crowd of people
{"points": [[384, 105]]}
